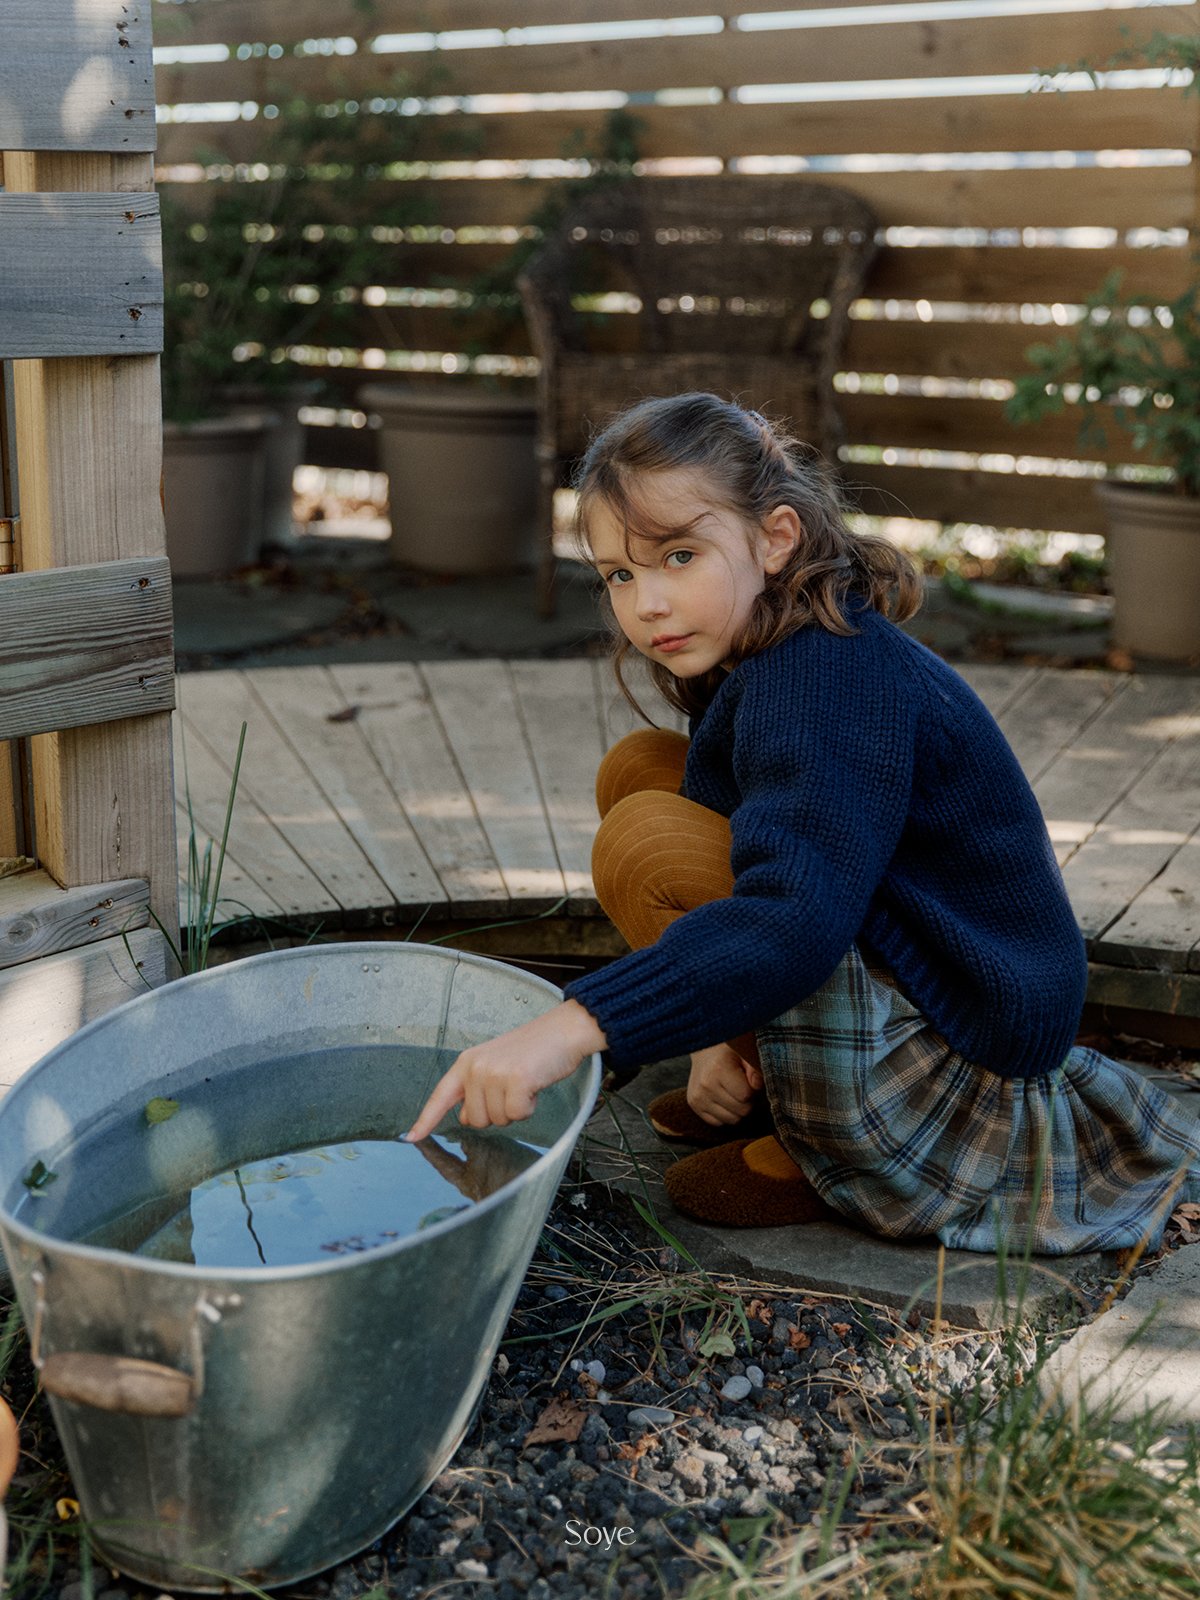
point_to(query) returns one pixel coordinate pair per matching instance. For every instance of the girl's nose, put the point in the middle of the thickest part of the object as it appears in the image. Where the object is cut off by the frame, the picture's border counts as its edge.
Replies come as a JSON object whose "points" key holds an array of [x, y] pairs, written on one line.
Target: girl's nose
{"points": [[651, 602]]}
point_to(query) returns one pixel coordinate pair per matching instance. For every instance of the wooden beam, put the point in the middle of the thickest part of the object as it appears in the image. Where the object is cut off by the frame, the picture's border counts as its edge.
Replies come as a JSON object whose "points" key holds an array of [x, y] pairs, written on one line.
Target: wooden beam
{"points": [[37, 918], [44, 1002], [79, 75], [89, 453], [82, 275], [83, 645]]}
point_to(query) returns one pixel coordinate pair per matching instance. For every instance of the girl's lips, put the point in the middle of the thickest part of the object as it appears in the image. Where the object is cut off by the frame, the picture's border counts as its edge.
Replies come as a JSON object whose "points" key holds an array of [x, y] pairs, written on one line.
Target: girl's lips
{"points": [[670, 642]]}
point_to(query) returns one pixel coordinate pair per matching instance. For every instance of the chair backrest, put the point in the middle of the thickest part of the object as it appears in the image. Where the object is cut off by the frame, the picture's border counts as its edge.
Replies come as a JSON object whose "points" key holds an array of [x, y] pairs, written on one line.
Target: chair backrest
{"points": [[720, 275]]}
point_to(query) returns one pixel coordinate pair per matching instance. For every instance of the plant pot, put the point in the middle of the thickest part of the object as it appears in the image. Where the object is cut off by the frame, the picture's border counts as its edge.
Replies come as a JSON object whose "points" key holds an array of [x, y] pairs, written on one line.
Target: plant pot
{"points": [[213, 492], [283, 449], [1154, 566], [462, 476]]}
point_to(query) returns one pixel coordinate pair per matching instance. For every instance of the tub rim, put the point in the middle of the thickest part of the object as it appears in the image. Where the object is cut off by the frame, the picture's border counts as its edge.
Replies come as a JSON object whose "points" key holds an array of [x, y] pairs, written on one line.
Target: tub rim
{"points": [[46, 1244]]}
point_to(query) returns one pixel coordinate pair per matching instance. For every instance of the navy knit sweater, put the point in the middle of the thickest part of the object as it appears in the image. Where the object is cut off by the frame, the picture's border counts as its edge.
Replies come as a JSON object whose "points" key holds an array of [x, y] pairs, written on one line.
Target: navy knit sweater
{"points": [[872, 798]]}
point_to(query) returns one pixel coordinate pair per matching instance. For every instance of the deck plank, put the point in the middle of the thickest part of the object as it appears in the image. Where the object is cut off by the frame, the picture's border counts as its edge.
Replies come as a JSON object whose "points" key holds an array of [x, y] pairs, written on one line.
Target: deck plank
{"points": [[1092, 774], [556, 701], [476, 705], [1048, 714], [472, 783], [1128, 886], [305, 704], [259, 850], [274, 777], [398, 723], [998, 686]]}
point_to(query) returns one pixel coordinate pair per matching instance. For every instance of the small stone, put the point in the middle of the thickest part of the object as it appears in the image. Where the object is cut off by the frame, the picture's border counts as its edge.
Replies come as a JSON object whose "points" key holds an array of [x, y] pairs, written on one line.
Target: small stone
{"points": [[596, 1369], [471, 1569], [690, 1471], [641, 1416], [554, 1291], [752, 1434], [736, 1388], [755, 1374]]}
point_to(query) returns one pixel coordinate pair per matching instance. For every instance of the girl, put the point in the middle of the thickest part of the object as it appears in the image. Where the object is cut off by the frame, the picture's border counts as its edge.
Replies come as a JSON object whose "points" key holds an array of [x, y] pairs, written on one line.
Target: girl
{"points": [[840, 890]]}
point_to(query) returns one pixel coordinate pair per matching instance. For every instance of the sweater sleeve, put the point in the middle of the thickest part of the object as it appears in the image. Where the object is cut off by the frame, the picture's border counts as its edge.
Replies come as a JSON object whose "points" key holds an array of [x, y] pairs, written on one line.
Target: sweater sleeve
{"points": [[823, 762]]}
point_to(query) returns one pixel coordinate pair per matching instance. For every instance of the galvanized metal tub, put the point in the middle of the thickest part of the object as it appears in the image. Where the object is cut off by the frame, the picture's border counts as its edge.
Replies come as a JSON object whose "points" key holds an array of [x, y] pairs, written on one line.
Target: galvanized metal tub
{"points": [[316, 1402]]}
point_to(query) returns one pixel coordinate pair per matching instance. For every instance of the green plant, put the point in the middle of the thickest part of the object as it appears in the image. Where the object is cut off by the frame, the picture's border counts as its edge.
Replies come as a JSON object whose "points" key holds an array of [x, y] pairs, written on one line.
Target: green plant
{"points": [[266, 255], [1133, 361], [1131, 364]]}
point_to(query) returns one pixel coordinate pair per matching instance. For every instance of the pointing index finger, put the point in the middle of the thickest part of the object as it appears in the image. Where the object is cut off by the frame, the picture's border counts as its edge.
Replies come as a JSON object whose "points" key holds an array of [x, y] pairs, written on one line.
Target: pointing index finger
{"points": [[447, 1093]]}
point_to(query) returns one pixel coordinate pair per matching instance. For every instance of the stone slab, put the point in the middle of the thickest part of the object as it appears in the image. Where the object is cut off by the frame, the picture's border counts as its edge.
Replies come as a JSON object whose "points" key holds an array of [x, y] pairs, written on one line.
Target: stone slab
{"points": [[630, 1158], [227, 619], [1142, 1353], [491, 616]]}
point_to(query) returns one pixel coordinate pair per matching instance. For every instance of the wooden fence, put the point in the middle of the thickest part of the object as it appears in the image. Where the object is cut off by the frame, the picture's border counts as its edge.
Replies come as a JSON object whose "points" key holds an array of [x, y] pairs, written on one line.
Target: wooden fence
{"points": [[86, 658], [981, 257]]}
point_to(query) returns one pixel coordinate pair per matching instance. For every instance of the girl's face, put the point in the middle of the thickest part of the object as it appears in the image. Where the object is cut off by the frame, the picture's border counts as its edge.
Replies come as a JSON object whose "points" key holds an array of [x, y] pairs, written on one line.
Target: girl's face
{"points": [[683, 600]]}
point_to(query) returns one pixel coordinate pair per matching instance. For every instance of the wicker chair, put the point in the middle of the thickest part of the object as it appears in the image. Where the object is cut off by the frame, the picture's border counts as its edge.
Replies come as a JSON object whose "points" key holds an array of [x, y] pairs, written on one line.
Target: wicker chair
{"points": [[724, 273]]}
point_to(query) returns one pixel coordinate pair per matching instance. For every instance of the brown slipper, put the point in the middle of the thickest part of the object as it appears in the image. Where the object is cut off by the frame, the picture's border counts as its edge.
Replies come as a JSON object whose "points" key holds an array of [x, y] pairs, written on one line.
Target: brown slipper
{"points": [[752, 1183], [672, 1118]]}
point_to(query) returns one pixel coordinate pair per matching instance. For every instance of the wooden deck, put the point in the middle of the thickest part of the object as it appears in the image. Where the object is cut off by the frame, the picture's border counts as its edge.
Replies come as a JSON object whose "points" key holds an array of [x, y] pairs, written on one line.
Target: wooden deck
{"points": [[458, 792]]}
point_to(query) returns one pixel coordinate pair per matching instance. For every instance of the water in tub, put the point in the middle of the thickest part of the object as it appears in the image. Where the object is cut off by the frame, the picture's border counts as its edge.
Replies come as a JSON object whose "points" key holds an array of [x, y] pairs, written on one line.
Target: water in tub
{"points": [[274, 1164]]}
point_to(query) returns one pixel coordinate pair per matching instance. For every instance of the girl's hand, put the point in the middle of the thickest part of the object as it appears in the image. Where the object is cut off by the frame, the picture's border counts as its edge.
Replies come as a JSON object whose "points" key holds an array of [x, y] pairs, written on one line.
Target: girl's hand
{"points": [[721, 1085], [498, 1082]]}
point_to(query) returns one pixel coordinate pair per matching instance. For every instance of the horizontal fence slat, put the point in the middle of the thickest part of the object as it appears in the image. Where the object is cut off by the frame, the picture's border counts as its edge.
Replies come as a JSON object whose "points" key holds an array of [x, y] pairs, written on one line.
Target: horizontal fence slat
{"points": [[82, 275], [38, 917], [960, 273], [1097, 197], [1107, 119], [82, 645], [954, 47], [289, 21], [917, 423], [77, 76], [995, 499], [910, 348], [1033, 274]]}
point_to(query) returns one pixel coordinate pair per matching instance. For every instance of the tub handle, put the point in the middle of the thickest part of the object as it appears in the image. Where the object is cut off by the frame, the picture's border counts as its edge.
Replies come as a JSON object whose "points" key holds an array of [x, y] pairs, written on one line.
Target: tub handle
{"points": [[119, 1383], [125, 1383]]}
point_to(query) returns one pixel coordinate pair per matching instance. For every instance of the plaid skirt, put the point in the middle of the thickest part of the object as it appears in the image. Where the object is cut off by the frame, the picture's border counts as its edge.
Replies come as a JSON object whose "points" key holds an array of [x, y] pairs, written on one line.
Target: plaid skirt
{"points": [[905, 1136]]}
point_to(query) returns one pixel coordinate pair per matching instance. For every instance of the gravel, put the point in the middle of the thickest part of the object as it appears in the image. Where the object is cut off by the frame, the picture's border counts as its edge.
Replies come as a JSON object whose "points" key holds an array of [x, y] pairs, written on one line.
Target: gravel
{"points": [[699, 1435]]}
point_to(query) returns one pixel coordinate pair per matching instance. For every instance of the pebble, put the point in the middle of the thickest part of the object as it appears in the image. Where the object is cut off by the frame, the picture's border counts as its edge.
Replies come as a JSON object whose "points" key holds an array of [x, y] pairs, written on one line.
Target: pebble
{"points": [[751, 1434], [736, 1388], [596, 1370], [641, 1416], [756, 1376], [470, 1569]]}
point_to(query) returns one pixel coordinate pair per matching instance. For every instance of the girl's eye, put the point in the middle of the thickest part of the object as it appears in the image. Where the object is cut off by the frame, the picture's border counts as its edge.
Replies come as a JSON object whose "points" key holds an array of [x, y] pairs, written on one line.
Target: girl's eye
{"points": [[680, 557], [619, 577]]}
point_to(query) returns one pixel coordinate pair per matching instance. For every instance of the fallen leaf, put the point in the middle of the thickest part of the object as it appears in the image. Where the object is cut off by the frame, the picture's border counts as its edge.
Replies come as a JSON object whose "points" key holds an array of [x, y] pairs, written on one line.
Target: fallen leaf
{"points": [[761, 1310], [39, 1178], [346, 714], [562, 1420], [158, 1110], [717, 1344], [66, 1509], [798, 1339], [840, 1328]]}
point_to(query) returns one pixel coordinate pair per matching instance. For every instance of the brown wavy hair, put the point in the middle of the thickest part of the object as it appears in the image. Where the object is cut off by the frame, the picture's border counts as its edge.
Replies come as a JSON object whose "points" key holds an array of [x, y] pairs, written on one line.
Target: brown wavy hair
{"points": [[752, 466]]}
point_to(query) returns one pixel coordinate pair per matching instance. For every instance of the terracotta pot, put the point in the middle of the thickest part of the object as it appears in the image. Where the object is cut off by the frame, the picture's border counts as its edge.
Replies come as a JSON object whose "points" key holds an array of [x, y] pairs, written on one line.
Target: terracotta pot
{"points": [[462, 475], [213, 492], [1154, 566]]}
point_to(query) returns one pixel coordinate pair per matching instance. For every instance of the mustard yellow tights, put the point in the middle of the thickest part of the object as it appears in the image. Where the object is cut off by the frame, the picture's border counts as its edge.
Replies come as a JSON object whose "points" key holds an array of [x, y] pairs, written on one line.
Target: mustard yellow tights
{"points": [[656, 855]]}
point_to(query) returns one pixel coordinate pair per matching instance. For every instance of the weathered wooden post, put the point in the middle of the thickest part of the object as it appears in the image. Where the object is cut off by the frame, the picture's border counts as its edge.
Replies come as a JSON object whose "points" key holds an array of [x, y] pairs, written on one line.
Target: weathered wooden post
{"points": [[86, 660]]}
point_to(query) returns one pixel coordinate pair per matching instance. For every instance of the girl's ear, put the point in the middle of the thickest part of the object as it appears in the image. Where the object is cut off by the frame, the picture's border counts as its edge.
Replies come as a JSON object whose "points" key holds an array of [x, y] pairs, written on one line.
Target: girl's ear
{"points": [[779, 536]]}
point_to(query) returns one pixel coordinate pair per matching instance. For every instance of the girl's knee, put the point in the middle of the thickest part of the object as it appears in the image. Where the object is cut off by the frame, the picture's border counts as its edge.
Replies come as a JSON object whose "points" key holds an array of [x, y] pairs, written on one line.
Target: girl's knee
{"points": [[647, 759]]}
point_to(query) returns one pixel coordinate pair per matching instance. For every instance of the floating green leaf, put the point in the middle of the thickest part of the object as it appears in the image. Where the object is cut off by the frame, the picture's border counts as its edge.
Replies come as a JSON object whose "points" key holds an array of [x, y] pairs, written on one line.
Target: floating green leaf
{"points": [[160, 1110], [40, 1178]]}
